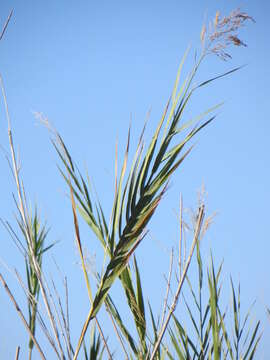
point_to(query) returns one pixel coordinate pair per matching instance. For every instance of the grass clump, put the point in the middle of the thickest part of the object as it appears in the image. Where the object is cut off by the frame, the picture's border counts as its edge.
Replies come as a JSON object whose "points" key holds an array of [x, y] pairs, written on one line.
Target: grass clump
{"points": [[138, 193]]}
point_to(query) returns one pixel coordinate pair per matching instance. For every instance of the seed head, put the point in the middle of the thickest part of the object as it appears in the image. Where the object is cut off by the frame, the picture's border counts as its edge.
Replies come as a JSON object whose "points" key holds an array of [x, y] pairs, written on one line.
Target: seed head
{"points": [[222, 32]]}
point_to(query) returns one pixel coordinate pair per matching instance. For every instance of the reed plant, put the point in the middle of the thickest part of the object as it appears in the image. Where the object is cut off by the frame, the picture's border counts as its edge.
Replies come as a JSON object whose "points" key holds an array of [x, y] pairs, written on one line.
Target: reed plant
{"points": [[138, 192]]}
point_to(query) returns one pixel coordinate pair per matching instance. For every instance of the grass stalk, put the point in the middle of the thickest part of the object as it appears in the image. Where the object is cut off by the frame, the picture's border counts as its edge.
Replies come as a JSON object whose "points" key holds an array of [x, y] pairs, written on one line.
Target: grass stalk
{"points": [[22, 317], [17, 353], [78, 240], [196, 237], [23, 213]]}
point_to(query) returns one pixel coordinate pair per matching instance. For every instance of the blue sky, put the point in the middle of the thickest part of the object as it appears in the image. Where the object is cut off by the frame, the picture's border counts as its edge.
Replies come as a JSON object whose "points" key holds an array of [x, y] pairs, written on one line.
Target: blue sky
{"points": [[91, 66]]}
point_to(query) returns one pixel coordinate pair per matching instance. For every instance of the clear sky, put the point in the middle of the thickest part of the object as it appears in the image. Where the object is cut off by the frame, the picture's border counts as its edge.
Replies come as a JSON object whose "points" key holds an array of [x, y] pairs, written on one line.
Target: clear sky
{"points": [[90, 66]]}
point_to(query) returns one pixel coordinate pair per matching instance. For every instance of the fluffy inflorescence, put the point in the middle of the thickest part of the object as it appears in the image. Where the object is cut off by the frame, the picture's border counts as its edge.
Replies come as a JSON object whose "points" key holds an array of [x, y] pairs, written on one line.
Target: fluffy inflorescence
{"points": [[223, 32]]}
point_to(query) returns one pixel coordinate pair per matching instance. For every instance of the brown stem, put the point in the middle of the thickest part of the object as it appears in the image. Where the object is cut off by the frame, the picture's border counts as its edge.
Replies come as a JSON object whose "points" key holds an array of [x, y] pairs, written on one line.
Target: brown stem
{"points": [[6, 25], [17, 353]]}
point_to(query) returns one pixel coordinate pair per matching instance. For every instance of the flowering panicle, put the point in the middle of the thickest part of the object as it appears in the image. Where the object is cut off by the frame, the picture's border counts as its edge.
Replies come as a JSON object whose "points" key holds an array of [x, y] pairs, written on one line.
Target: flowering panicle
{"points": [[222, 32]]}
